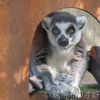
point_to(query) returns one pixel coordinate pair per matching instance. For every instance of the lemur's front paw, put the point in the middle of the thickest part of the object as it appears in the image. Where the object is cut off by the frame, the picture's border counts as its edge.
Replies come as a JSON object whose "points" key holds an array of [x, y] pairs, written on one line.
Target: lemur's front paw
{"points": [[64, 89], [60, 89], [68, 79], [53, 91], [75, 92]]}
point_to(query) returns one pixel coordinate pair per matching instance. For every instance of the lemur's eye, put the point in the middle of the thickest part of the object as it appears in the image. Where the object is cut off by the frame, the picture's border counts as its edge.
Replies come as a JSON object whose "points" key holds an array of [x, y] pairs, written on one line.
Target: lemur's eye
{"points": [[71, 30], [55, 31]]}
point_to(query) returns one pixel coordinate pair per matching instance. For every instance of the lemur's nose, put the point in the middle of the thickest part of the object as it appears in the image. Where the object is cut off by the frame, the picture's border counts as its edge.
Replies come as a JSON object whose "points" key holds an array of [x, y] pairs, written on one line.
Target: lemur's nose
{"points": [[63, 41]]}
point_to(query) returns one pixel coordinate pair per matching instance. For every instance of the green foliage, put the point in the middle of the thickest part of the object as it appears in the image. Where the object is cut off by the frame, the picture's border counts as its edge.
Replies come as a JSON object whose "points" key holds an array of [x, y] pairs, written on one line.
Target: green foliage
{"points": [[91, 87]]}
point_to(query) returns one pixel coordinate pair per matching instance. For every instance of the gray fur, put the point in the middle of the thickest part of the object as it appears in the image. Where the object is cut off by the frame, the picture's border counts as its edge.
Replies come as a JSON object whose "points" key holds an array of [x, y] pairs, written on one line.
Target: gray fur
{"points": [[48, 58], [68, 79]]}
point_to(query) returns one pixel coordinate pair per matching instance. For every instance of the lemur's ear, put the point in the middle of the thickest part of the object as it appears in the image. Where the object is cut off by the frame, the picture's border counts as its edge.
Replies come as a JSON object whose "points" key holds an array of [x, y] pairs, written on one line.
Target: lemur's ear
{"points": [[81, 22], [46, 22]]}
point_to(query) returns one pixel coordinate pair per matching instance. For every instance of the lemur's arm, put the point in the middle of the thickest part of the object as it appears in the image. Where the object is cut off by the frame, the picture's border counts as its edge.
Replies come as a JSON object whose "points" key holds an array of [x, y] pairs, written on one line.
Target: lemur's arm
{"points": [[79, 62], [38, 66], [78, 66]]}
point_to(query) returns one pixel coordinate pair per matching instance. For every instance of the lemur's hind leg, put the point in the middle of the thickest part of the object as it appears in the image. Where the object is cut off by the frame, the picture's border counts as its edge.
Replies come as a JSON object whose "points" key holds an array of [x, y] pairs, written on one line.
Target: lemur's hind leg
{"points": [[35, 84]]}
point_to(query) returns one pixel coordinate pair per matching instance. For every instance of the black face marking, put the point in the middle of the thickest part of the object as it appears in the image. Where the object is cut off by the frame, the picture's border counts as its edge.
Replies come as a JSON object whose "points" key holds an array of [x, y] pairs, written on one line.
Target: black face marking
{"points": [[63, 41], [70, 30], [55, 30]]}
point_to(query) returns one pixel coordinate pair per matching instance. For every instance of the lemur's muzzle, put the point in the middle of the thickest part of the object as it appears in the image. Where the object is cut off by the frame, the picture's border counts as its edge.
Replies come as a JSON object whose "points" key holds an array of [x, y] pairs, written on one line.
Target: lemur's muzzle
{"points": [[63, 41]]}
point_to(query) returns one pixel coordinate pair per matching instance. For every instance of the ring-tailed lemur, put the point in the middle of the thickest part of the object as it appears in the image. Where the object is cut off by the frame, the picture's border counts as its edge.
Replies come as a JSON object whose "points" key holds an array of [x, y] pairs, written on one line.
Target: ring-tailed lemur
{"points": [[58, 58]]}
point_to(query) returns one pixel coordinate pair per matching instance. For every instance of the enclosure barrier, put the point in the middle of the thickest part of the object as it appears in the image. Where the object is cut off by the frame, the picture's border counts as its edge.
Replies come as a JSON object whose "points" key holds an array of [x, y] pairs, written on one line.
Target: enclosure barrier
{"points": [[18, 21]]}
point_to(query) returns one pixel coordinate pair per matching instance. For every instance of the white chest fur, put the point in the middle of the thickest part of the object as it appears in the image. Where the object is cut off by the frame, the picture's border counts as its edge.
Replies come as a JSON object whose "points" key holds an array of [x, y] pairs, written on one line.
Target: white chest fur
{"points": [[57, 63]]}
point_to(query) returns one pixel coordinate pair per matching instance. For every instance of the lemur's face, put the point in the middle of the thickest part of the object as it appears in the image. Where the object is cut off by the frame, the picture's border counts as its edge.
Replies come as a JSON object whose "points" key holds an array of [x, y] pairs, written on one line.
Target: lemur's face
{"points": [[63, 33], [64, 30]]}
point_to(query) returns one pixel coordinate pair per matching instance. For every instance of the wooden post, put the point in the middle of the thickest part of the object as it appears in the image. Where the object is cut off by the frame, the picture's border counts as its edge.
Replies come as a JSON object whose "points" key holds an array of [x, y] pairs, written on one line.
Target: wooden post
{"points": [[18, 21], [14, 50]]}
